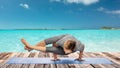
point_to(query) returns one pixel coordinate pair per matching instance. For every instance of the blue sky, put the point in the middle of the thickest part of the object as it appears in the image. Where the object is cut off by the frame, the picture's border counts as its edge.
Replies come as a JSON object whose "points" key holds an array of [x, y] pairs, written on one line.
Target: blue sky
{"points": [[56, 14]]}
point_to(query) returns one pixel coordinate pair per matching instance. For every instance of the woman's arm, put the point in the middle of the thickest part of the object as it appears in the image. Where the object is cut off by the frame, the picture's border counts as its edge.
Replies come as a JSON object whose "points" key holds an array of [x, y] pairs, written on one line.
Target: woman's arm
{"points": [[80, 56]]}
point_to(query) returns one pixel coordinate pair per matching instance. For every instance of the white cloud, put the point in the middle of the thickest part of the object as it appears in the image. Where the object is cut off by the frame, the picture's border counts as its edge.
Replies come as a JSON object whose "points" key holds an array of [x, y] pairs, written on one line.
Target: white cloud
{"points": [[26, 6], [85, 2], [113, 12], [101, 9], [55, 0]]}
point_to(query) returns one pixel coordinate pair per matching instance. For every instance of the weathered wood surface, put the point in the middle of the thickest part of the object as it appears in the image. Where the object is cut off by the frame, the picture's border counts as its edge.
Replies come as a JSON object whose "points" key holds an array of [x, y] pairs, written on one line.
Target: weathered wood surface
{"points": [[113, 56]]}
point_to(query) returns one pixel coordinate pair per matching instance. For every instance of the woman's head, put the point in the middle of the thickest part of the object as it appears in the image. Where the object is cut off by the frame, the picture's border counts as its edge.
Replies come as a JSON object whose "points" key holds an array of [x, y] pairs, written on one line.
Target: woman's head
{"points": [[69, 45]]}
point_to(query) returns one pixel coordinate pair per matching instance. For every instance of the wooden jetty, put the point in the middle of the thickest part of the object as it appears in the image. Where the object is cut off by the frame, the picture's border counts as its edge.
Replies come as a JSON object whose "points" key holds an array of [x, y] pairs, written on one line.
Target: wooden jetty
{"points": [[113, 56]]}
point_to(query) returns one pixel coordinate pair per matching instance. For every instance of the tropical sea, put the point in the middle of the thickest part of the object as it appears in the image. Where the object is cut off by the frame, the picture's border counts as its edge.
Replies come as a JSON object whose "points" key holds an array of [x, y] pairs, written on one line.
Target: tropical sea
{"points": [[94, 40]]}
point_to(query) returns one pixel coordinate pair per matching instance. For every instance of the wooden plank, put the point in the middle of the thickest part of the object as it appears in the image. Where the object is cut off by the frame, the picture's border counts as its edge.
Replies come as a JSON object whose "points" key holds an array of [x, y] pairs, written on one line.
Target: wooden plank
{"points": [[102, 65], [83, 65], [2, 56], [76, 55], [40, 55], [88, 55], [52, 65], [16, 65], [5, 55], [114, 57], [35, 55], [5, 59], [115, 54], [27, 54], [62, 65], [5, 65], [23, 55], [47, 65], [73, 55], [115, 63]]}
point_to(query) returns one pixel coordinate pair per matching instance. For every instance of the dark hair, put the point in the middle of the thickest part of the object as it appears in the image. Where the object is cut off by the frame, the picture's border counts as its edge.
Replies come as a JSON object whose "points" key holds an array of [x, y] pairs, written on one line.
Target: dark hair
{"points": [[70, 44]]}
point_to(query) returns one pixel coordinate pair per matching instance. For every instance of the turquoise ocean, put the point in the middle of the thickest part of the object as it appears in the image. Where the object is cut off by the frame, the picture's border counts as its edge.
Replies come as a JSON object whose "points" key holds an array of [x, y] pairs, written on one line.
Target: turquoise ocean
{"points": [[94, 40]]}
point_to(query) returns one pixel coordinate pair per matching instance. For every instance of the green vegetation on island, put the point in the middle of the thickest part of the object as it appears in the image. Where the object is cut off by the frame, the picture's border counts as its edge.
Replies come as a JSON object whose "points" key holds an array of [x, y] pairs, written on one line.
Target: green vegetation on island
{"points": [[109, 28]]}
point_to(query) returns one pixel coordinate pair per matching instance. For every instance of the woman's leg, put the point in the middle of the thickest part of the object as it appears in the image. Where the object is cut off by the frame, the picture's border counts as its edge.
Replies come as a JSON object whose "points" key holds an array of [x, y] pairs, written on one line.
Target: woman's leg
{"points": [[36, 47], [41, 43], [49, 40], [55, 50]]}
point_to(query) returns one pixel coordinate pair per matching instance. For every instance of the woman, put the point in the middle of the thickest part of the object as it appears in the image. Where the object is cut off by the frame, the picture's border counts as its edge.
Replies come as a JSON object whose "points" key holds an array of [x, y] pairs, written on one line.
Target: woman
{"points": [[62, 45]]}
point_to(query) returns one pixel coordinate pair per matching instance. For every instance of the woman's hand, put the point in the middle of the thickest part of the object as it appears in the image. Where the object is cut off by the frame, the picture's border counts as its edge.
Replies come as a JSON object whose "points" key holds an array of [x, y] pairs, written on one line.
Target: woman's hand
{"points": [[80, 56]]}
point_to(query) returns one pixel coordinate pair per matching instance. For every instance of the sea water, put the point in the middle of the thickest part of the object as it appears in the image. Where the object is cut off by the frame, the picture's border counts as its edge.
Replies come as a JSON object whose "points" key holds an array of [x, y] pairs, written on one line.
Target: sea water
{"points": [[94, 40]]}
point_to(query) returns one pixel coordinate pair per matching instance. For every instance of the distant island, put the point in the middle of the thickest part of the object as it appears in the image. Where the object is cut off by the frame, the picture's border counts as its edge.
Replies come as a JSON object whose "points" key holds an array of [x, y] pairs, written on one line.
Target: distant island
{"points": [[109, 28], [101, 28]]}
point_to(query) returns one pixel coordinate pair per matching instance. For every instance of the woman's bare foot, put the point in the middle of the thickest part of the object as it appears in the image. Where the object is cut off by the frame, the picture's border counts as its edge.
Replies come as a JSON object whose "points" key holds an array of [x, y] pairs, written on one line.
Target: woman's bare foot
{"points": [[26, 45]]}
